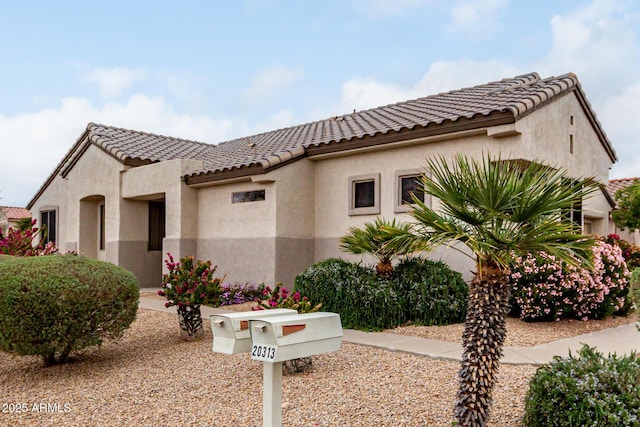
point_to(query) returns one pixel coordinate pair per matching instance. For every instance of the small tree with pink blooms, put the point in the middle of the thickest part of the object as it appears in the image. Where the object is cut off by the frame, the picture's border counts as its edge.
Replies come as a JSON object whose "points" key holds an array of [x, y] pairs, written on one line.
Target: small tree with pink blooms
{"points": [[19, 242], [187, 285]]}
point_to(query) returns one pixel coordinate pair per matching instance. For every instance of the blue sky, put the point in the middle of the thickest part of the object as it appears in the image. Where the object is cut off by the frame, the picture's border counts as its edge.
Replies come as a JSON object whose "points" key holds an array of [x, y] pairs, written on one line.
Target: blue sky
{"points": [[216, 70]]}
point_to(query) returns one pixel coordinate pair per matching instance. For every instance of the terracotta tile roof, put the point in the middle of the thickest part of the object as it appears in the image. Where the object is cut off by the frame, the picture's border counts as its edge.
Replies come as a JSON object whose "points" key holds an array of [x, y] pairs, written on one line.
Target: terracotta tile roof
{"points": [[14, 213], [517, 96], [617, 184], [499, 102]]}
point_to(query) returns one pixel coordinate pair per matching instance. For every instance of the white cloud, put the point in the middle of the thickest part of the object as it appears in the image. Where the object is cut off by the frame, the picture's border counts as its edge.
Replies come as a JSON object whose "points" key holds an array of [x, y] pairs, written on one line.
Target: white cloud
{"points": [[598, 42], [619, 116], [595, 42], [279, 120], [270, 82], [442, 76], [33, 144], [476, 17], [112, 81]]}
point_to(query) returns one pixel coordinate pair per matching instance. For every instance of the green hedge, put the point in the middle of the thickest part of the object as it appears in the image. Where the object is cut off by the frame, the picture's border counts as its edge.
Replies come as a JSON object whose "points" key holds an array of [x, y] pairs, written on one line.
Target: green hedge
{"points": [[52, 306], [363, 300], [433, 293], [634, 288], [420, 291], [588, 390]]}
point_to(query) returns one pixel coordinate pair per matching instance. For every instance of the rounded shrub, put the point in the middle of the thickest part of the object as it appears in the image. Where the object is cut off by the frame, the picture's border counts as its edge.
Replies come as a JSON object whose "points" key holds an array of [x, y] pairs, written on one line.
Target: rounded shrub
{"points": [[420, 291], [432, 293], [52, 306], [588, 390], [363, 300]]}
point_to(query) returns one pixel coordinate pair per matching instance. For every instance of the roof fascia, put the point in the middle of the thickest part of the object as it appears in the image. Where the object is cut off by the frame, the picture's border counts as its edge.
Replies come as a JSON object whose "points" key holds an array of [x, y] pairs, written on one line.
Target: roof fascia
{"points": [[446, 127], [586, 107], [204, 178], [232, 175], [607, 195], [83, 137]]}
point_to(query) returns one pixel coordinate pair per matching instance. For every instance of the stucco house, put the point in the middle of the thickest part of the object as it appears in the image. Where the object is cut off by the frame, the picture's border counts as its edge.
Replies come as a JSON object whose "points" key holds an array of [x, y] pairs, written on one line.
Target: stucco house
{"points": [[10, 217], [265, 207], [631, 236]]}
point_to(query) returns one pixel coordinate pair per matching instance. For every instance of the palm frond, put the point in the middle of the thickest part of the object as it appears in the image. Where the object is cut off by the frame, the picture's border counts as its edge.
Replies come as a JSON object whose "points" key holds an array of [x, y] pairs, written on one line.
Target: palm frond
{"points": [[372, 238], [496, 207]]}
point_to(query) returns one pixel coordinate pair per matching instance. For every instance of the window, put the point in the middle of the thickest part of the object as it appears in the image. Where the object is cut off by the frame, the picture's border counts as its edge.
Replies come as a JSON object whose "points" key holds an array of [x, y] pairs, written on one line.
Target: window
{"points": [[575, 213], [570, 144], [102, 222], [156, 225], [48, 221], [364, 194], [248, 196], [408, 182]]}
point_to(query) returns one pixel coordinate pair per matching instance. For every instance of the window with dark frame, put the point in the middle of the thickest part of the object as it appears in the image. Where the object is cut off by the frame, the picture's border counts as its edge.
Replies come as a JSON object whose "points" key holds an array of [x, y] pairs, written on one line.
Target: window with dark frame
{"points": [[410, 185], [102, 228], [156, 225], [248, 196], [364, 194], [48, 221], [408, 182]]}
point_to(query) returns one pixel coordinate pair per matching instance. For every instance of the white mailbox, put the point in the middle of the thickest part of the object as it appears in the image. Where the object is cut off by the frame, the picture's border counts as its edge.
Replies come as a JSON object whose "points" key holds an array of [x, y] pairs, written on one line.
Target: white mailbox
{"points": [[231, 331], [290, 337]]}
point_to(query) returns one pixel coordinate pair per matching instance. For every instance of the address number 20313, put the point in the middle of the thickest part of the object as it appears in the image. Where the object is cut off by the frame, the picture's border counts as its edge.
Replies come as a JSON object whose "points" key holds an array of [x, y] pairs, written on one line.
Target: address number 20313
{"points": [[266, 353]]}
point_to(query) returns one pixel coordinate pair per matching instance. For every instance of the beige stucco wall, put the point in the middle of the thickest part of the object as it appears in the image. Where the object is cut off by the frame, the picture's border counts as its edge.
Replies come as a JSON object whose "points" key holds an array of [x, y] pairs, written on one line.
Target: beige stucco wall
{"points": [[97, 174], [99, 178], [546, 135], [543, 135], [263, 241], [332, 188], [551, 130], [306, 206], [239, 238]]}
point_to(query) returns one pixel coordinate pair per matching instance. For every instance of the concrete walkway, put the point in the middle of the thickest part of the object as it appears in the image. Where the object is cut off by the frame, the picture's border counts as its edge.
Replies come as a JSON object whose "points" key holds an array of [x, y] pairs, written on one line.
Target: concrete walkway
{"points": [[619, 340]]}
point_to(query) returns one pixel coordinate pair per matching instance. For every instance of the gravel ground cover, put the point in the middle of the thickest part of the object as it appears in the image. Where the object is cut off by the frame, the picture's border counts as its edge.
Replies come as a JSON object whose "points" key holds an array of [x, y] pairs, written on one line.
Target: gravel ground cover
{"points": [[152, 378]]}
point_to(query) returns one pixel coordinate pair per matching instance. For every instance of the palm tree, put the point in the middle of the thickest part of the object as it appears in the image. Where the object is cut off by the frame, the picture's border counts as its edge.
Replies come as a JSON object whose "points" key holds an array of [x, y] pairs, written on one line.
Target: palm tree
{"points": [[496, 209], [372, 240]]}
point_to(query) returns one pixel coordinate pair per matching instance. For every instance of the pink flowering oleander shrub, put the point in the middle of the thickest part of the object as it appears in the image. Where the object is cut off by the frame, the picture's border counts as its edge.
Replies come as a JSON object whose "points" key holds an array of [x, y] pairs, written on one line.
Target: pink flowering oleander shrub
{"points": [[631, 253], [546, 289], [20, 243]]}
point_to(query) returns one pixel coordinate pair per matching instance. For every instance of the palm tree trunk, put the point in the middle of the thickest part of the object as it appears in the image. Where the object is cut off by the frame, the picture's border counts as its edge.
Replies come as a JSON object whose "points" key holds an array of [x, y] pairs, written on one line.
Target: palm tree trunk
{"points": [[483, 338]]}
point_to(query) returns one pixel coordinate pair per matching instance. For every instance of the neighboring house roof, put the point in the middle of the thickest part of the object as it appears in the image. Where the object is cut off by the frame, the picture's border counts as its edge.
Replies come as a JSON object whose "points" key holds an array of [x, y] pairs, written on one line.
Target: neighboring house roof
{"points": [[490, 104], [619, 184], [15, 214]]}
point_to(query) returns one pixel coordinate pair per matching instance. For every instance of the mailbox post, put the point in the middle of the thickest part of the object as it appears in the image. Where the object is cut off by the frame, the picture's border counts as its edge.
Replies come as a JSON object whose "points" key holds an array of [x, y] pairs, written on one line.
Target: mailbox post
{"points": [[281, 338]]}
